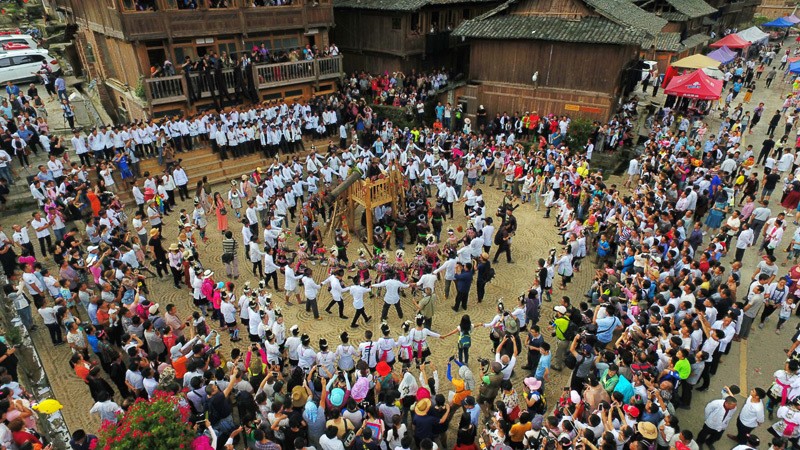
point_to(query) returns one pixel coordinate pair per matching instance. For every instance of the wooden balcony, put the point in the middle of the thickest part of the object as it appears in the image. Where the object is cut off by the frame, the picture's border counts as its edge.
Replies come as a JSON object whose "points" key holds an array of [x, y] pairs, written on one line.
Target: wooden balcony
{"points": [[164, 90], [169, 24]]}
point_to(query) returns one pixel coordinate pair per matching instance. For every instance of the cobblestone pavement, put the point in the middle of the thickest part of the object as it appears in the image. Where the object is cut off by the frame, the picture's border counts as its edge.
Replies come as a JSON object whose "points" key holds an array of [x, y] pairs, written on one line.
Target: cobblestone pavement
{"points": [[535, 236]]}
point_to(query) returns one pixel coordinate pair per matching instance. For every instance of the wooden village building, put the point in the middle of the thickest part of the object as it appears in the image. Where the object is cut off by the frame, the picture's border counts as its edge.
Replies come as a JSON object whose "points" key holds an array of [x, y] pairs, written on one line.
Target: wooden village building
{"points": [[380, 36], [119, 41], [575, 56], [578, 51]]}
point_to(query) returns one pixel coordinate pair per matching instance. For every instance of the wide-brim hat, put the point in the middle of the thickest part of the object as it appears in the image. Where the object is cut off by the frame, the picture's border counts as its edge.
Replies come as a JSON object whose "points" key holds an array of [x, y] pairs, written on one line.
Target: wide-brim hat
{"points": [[422, 407], [647, 430]]}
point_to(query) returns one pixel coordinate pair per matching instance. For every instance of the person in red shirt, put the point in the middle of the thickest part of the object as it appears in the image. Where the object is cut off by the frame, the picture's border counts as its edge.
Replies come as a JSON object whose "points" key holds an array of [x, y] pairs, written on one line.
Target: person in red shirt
{"points": [[80, 365]]}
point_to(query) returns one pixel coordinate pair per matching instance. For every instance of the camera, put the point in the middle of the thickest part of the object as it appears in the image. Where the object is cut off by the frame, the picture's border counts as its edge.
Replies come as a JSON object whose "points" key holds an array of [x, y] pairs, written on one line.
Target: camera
{"points": [[483, 361]]}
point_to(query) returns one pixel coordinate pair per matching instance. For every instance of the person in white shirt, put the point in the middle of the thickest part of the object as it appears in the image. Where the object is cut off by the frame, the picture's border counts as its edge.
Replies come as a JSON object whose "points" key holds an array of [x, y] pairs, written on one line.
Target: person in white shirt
{"points": [[42, 228], [392, 296], [751, 415], [336, 289], [181, 180], [311, 291], [718, 413]]}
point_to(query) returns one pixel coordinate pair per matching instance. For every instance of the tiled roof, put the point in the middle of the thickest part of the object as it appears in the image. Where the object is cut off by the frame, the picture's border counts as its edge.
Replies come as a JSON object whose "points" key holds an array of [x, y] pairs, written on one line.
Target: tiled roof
{"points": [[626, 13], [398, 5], [674, 16], [669, 42], [595, 30], [695, 40], [692, 8]]}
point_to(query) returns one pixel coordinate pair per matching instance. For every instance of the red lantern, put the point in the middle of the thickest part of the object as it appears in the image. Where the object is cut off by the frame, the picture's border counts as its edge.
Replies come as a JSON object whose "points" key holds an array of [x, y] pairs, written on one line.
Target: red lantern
{"points": [[2, 11]]}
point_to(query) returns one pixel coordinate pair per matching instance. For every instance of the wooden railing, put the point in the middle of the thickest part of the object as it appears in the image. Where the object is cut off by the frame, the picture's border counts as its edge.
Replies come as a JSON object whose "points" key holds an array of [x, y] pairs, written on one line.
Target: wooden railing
{"points": [[165, 89], [177, 23], [174, 89]]}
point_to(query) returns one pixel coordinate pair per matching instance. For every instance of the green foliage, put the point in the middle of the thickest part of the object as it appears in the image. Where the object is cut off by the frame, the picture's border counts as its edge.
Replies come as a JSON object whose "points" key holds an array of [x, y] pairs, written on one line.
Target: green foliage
{"points": [[578, 133], [759, 20], [153, 424], [140, 88], [13, 335]]}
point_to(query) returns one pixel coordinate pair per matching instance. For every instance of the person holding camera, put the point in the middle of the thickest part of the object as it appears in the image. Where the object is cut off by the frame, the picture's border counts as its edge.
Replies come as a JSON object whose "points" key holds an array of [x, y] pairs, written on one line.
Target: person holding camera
{"points": [[492, 379], [584, 362]]}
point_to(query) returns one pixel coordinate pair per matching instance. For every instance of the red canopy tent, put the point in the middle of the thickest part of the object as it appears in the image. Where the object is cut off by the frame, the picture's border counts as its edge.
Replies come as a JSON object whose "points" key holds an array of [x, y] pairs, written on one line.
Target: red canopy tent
{"points": [[731, 41], [696, 85]]}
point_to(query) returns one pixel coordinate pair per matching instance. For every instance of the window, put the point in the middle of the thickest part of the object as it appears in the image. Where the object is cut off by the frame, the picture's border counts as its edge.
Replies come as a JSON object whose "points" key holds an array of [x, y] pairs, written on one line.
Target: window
{"points": [[5, 62], [89, 52], [25, 59], [294, 93], [128, 5], [325, 87], [397, 23], [272, 96], [289, 43], [415, 22], [230, 48]]}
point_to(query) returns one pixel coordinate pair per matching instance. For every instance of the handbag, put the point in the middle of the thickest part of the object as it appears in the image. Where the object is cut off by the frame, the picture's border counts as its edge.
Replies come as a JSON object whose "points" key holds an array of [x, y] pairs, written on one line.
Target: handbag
{"points": [[349, 436], [227, 258], [223, 211]]}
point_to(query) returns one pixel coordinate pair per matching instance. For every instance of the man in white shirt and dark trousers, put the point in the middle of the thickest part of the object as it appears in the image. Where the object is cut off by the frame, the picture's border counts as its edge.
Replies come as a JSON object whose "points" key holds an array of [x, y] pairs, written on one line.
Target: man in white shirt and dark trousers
{"points": [[751, 416], [312, 291], [335, 282], [392, 296], [718, 414]]}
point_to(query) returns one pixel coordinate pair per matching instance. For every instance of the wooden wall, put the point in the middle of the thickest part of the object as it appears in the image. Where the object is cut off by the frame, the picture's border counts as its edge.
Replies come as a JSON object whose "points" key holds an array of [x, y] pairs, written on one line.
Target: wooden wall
{"points": [[498, 98], [377, 62], [554, 8], [560, 65], [351, 25]]}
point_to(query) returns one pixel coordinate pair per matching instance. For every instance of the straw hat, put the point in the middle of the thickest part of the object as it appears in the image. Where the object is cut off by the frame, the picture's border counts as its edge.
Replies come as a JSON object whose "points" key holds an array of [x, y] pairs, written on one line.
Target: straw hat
{"points": [[422, 407]]}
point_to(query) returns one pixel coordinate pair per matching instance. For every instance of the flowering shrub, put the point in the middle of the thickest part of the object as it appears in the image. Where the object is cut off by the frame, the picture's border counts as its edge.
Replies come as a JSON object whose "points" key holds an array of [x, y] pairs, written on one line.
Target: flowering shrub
{"points": [[160, 422]]}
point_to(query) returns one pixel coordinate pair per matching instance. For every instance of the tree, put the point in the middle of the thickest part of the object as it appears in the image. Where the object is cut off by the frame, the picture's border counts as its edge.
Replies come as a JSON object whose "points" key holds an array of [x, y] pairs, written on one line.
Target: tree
{"points": [[580, 130], [161, 422]]}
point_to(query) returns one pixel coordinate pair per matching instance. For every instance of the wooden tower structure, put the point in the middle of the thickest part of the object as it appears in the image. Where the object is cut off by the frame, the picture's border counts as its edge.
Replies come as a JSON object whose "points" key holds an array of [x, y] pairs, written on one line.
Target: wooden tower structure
{"points": [[369, 193]]}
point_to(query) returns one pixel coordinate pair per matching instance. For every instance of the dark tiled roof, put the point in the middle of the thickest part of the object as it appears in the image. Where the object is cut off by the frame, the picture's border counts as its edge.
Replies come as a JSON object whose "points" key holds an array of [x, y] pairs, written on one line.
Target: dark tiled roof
{"points": [[674, 16], [692, 8], [626, 13], [695, 40], [595, 30], [669, 42], [398, 5]]}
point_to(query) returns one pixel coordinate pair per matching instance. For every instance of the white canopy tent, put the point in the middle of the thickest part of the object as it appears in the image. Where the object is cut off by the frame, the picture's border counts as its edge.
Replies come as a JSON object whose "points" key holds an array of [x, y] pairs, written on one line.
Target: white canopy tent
{"points": [[754, 35]]}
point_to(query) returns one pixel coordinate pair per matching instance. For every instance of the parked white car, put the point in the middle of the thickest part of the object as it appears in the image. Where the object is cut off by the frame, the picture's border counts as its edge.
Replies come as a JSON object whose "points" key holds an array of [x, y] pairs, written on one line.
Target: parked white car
{"points": [[22, 65], [19, 38]]}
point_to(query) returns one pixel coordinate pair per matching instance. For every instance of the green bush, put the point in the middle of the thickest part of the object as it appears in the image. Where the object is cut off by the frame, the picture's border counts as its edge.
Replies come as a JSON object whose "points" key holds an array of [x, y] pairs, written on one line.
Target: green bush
{"points": [[578, 133]]}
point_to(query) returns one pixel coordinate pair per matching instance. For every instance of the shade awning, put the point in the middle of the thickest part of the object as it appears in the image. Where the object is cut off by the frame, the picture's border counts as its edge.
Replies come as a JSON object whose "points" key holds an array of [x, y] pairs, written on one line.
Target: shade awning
{"points": [[696, 85], [723, 55], [794, 67], [754, 35], [792, 18], [696, 61], [731, 41], [780, 22]]}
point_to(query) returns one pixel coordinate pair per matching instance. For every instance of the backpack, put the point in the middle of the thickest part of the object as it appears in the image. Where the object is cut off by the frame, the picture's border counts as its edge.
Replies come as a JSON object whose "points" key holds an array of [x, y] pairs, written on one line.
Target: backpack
{"points": [[570, 361], [464, 340], [490, 273], [571, 331], [540, 407], [510, 324]]}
